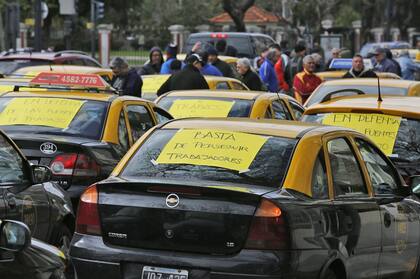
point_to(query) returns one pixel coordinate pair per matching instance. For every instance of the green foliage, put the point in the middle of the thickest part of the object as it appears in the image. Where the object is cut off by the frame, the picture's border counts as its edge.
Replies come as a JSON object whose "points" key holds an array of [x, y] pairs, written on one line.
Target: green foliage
{"points": [[346, 15]]}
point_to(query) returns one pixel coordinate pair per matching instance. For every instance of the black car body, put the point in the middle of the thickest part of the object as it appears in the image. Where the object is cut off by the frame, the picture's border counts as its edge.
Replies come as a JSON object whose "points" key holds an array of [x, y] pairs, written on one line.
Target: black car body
{"points": [[247, 44], [316, 202]]}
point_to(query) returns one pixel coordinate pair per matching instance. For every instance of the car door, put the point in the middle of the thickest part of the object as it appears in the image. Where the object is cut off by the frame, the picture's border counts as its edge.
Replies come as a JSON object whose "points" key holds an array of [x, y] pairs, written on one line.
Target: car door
{"points": [[400, 219], [358, 229], [23, 202], [140, 120]]}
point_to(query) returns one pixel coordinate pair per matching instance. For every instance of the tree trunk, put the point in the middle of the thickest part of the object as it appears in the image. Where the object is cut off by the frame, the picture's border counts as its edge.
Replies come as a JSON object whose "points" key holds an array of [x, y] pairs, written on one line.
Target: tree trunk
{"points": [[237, 9]]}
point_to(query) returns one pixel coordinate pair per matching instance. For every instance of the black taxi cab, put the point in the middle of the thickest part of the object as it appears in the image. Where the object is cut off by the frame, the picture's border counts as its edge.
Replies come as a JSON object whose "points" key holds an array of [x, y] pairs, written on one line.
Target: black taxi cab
{"points": [[220, 103], [243, 198], [79, 132]]}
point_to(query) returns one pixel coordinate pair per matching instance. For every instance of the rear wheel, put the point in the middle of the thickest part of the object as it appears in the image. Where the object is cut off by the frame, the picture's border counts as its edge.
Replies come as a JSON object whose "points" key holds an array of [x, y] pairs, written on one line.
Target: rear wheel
{"points": [[330, 274]]}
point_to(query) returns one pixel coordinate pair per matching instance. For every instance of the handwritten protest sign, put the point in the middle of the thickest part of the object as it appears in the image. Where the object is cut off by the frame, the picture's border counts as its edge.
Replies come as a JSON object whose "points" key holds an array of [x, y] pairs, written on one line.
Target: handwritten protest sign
{"points": [[225, 149], [54, 112], [200, 108], [381, 129]]}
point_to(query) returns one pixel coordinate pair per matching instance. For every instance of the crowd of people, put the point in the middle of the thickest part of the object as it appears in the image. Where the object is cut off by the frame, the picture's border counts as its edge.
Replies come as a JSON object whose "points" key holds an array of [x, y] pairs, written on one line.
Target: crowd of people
{"points": [[274, 70]]}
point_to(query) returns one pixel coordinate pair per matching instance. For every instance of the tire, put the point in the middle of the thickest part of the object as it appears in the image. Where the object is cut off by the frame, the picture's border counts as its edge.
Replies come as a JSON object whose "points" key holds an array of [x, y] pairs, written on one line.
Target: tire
{"points": [[330, 274]]}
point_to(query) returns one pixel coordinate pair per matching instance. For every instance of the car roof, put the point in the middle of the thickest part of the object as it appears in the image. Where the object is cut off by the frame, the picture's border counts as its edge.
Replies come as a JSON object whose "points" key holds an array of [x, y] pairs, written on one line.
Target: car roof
{"points": [[239, 34], [228, 94], [81, 95], [43, 55], [61, 68], [394, 105], [340, 74], [370, 81], [270, 127]]}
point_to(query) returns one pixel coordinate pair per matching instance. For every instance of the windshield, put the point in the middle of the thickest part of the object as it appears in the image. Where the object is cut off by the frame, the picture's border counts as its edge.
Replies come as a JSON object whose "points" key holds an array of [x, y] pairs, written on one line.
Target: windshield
{"points": [[180, 107], [402, 144], [242, 44], [318, 96], [53, 116], [9, 66], [268, 157]]}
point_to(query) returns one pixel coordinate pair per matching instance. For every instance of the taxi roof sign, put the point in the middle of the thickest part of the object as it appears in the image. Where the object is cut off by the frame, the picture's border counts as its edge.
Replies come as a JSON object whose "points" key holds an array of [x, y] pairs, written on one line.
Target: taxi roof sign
{"points": [[346, 63], [70, 80]]}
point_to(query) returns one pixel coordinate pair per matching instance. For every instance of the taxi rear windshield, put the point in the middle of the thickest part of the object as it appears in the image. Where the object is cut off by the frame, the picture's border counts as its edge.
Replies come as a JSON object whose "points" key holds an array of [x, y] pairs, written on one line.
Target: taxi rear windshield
{"points": [[401, 145], [53, 116], [212, 156], [206, 107]]}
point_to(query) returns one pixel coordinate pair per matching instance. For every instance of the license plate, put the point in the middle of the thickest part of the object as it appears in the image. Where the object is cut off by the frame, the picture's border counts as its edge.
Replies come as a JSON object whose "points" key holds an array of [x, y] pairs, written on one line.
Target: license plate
{"points": [[150, 272]]}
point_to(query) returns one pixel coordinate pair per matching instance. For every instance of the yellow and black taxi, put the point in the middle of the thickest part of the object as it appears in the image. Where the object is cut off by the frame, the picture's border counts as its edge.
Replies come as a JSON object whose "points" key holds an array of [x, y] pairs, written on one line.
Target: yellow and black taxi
{"points": [[152, 83], [80, 133], [393, 124], [333, 75], [243, 198], [219, 103], [360, 86], [23, 257]]}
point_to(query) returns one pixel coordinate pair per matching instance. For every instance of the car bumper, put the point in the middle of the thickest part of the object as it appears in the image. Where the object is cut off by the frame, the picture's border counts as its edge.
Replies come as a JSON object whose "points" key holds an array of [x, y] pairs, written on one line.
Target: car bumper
{"points": [[93, 259]]}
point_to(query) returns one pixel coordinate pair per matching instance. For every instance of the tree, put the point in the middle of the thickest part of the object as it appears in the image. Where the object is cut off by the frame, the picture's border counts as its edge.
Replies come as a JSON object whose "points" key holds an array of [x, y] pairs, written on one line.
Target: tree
{"points": [[237, 9]]}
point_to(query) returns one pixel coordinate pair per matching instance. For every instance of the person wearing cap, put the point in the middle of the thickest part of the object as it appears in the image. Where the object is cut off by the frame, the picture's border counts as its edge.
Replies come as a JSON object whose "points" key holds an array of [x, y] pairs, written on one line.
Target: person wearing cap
{"points": [[248, 76], [188, 78], [171, 52], [267, 72], [155, 62], [223, 67], [208, 69], [384, 64], [125, 80], [358, 69], [306, 81], [408, 67]]}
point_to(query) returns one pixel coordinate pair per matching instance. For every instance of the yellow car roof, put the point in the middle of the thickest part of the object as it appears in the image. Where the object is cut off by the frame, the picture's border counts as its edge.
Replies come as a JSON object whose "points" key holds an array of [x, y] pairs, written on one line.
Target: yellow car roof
{"points": [[227, 59], [371, 81], [270, 127], [228, 94], [34, 70], [339, 74], [394, 105], [64, 94]]}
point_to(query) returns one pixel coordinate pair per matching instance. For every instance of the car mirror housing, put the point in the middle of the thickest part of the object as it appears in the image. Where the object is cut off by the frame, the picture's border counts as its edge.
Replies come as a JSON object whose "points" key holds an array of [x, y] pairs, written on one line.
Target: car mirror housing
{"points": [[41, 174], [415, 183], [14, 236]]}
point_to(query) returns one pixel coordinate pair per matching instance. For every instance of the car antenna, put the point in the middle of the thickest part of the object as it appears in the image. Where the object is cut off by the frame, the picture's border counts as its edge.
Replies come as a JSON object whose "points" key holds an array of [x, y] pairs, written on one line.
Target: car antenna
{"points": [[379, 91], [49, 64]]}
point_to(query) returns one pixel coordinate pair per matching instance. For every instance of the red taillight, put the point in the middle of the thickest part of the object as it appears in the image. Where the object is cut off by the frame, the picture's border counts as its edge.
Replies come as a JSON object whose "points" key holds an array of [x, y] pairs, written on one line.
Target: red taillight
{"points": [[87, 221], [218, 35], [72, 164], [268, 230]]}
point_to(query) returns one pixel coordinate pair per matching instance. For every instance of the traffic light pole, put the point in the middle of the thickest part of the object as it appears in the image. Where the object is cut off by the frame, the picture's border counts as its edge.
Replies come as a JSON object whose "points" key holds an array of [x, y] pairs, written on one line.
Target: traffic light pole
{"points": [[93, 21], [38, 26]]}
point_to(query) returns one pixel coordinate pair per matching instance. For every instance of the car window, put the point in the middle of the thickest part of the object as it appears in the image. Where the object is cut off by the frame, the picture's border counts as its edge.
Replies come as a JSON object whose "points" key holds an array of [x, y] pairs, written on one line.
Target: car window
{"points": [[381, 173], [11, 165], [140, 120], [297, 110], [122, 132], [90, 63], [346, 173], [222, 85], [161, 115], [280, 110], [268, 113], [319, 178], [238, 86]]}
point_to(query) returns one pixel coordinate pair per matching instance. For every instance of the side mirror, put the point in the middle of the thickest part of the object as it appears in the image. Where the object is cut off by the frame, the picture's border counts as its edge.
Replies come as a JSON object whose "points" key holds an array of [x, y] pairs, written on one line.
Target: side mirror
{"points": [[14, 236], [40, 174], [415, 183]]}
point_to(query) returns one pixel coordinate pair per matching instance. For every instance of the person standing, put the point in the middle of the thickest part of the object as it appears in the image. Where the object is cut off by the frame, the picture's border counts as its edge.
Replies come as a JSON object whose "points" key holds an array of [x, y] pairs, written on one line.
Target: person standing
{"points": [[335, 54], [223, 67], [358, 69], [208, 69], [248, 76], [171, 52], [155, 62], [125, 80], [408, 67], [279, 68], [267, 72], [383, 64], [187, 79], [306, 81], [295, 64]]}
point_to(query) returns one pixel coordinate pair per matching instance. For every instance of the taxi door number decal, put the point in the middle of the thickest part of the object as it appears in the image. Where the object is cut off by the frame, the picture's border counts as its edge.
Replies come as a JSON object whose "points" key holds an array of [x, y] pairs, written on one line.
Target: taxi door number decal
{"points": [[54, 112], [381, 129], [216, 148], [200, 108]]}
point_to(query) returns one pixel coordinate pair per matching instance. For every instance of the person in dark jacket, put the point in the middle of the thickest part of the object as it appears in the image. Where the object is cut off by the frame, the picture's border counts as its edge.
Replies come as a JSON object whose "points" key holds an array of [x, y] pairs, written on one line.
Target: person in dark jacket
{"points": [[126, 80], [219, 64], [171, 52], [208, 69], [249, 77], [390, 56], [155, 62], [187, 79], [384, 64], [224, 49], [358, 69]]}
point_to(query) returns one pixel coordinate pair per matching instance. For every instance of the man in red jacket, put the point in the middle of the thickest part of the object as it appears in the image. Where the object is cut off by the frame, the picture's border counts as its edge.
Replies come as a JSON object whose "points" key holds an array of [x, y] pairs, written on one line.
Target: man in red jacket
{"points": [[279, 68], [306, 81]]}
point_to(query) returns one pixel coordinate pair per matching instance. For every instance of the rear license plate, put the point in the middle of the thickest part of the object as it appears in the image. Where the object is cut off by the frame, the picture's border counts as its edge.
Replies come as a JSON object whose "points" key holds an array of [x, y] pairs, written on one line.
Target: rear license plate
{"points": [[150, 272]]}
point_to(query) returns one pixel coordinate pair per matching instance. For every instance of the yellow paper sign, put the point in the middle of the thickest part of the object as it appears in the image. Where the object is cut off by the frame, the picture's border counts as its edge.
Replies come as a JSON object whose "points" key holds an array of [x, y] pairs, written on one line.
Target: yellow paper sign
{"points": [[216, 148], [53, 112], [152, 84], [200, 108], [381, 129]]}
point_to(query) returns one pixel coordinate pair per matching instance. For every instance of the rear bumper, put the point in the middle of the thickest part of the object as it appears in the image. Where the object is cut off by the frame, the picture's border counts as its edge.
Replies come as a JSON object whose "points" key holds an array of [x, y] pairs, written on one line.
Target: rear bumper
{"points": [[93, 259]]}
